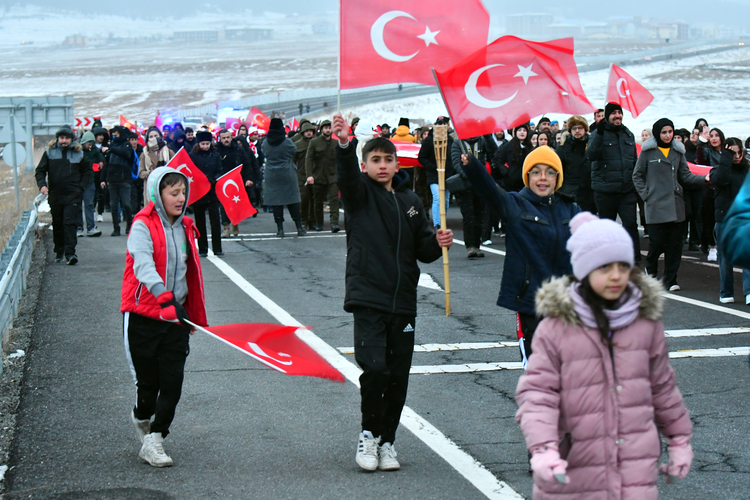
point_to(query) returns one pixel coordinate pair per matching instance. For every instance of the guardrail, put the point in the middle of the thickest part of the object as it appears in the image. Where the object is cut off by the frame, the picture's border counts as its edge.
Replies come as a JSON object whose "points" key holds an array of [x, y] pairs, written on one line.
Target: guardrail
{"points": [[16, 261]]}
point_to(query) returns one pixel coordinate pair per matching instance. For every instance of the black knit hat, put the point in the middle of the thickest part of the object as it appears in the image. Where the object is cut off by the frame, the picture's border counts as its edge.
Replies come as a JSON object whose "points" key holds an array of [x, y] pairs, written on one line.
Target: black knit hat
{"points": [[66, 131], [403, 121], [276, 124], [204, 135], [523, 125], [610, 108]]}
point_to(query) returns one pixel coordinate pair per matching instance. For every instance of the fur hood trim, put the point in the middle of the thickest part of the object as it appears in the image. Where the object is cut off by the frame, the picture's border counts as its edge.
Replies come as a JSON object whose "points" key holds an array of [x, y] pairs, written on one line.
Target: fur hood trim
{"points": [[75, 146], [651, 144], [554, 301]]}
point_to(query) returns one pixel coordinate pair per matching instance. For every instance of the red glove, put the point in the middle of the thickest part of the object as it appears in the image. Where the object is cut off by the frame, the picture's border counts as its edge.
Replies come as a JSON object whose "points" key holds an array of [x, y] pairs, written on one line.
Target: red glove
{"points": [[680, 458], [546, 463], [171, 310]]}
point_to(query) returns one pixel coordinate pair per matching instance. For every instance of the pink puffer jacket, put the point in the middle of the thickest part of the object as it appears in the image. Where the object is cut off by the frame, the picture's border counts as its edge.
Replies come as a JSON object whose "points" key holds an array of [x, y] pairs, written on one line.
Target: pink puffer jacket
{"points": [[603, 416]]}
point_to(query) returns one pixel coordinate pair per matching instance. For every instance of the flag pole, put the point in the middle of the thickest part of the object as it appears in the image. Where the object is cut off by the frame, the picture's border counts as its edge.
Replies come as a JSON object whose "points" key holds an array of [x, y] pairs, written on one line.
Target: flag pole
{"points": [[437, 82], [338, 72]]}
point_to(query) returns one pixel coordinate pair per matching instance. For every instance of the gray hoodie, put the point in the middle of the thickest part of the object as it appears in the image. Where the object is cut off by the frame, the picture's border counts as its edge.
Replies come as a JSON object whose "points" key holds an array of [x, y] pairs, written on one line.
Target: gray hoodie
{"points": [[141, 246]]}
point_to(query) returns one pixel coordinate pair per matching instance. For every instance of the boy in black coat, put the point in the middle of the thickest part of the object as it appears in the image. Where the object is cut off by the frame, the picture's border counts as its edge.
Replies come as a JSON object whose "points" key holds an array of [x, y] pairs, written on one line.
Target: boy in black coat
{"points": [[386, 232]]}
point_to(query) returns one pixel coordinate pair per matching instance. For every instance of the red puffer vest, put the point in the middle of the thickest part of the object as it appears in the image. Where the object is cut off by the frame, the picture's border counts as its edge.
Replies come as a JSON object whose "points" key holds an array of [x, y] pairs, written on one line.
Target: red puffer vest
{"points": [[135, 296]]}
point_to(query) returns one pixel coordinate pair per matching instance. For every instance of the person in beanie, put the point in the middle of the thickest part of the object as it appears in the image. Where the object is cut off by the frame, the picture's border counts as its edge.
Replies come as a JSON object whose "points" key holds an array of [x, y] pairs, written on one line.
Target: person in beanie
{"points": [[63, 174], [280, 175], [508, 159], [207, 160], [387, 224], [94, 156], [599, 389], [576, 167], [659, 177], [162, 288], [403, 133], [536, 228], [613, 155], [320, 165], [307, 207], [117, 176]]}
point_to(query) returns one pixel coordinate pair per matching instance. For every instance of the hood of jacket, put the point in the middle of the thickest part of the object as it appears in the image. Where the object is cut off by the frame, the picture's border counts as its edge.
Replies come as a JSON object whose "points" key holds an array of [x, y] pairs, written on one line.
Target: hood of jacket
{"points": [[152, 191], [651, 144], [553, 299]]}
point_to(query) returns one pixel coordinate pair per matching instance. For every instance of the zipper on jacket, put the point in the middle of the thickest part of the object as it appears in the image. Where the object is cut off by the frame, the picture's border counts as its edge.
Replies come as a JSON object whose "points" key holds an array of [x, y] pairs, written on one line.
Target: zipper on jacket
{"points": [[138, 292], [398, 251], [557, 233]]}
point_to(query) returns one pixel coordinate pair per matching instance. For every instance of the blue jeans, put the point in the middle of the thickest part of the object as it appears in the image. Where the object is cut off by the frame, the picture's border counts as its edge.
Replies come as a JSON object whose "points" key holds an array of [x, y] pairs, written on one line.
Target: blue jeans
{"points": [[88, 207], [119, 198], [436, 203], [726, 272]]}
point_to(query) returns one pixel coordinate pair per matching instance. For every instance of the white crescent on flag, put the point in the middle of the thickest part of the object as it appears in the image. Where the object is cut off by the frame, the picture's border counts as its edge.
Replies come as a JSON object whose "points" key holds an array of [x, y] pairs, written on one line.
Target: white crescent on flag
{"points": [[622, 84], [376, 36], [473, 95], [228, 183], [184, 165], [260, 352]]}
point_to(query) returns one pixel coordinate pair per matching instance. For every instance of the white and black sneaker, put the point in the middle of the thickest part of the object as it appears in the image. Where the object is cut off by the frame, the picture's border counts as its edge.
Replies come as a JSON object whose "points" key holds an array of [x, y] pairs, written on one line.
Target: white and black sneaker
{"points": [[367, 451], [387, 457], [152, 450], [142, 427]]}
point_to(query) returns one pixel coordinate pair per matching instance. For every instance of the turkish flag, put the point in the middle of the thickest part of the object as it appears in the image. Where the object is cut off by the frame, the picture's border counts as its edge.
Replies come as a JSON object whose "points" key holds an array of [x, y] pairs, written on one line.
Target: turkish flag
{"points": [[275, 346], [230, 189], [294, 124], [511, 80], [257, 118], [392, 41], [233, 124], [199, 183], [124, 122], [407, 153], [627, 92]]}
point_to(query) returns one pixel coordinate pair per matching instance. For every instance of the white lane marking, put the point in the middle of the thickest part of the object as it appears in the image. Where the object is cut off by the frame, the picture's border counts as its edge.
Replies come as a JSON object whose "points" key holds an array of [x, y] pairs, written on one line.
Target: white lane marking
{"points": [[484, 248], [458, 346], [289, 237], [705, 332], [696, 260], [711, 353], [457, 458], [706, 305], [466, 368], [427, 281]]}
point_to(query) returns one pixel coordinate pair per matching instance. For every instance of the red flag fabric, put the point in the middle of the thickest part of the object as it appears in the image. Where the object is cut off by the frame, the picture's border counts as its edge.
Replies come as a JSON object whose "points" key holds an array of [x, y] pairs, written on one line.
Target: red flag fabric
{"points": [[511, 80], [407, 153], [199, 183], [233, 124], [158, 122], [392, 41], [230, 189], [124, 122], [257, 118], [294, 124], [627, 92], [277, 347]]}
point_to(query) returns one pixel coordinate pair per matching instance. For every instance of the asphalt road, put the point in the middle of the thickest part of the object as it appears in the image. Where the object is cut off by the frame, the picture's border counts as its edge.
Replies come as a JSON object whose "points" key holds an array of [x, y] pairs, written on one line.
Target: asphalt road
{"points": [[245, 431]]}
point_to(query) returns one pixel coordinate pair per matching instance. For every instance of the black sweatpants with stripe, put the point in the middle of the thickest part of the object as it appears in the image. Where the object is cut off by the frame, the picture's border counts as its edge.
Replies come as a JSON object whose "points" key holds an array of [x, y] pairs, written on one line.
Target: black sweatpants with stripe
{"points": [[156, 351], [383, 348]]}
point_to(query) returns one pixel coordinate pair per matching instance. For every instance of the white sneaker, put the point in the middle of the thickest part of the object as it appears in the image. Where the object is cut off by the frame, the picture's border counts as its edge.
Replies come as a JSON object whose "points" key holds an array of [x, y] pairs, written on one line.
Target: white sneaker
{"points": [[99, 218], [387, 457], [726, 300], [487, 242], [152, 450], [94, 232], [747, 299], [713, 255], [142, 427], [674, 288], [79, 232], [367, 451]]}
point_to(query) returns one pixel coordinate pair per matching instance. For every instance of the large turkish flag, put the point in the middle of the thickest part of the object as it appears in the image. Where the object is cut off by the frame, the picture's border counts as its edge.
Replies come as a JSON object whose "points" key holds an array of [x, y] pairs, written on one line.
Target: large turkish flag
{"points": [[627, 92], [199, 183], [256, 118], [510, 81], [230, 189], [393, 41]]}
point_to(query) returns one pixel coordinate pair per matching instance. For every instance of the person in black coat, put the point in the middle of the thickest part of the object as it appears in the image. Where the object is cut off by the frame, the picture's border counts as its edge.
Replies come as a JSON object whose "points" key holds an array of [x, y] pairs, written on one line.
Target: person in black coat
{"points": [[508, 160], [426, 158], [471, 205], [727, 179], [709, 154], [693, 197], [62, 174], [576, 166], [387, 233], [232, 156], [117, 176], [206, 158]]}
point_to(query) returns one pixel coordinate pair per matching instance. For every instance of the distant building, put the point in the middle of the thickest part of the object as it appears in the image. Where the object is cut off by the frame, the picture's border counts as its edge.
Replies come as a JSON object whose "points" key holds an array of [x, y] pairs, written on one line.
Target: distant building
{"points": [[528, 25], [78, 41], [683, 31], [198, 36], [231, 33], [324, 29]]}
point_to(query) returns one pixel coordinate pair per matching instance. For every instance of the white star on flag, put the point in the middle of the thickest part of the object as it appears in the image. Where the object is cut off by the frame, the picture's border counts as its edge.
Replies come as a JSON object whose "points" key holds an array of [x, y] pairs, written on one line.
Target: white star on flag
{"points": [[190, 179], [236, 199], [525, 73], [429, 36]]}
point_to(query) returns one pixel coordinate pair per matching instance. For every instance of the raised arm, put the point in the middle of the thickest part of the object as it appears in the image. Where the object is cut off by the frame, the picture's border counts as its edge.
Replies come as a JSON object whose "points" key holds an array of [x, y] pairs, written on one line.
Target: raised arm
{"points": [[348, 174], [485, 186]]}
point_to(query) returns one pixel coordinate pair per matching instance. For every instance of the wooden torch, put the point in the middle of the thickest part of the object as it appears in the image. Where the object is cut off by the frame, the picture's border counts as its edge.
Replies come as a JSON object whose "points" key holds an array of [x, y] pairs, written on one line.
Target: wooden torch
{"points": [[440, 139]]}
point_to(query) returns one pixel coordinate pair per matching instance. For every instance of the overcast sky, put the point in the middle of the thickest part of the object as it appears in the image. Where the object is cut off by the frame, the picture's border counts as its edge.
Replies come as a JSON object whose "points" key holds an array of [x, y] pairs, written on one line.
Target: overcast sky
{"points": [[692, 11]]}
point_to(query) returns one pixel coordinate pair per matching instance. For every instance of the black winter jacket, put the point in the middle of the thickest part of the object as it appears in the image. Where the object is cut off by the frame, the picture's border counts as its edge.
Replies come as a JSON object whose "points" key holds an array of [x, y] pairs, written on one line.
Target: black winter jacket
{"points": [[511, 169], [209, 163], [537, 230], [65, 172], [576, 166], [386, 233], [231, 157], [613, 156], [426, 158], [727, 179], [119, 166]]}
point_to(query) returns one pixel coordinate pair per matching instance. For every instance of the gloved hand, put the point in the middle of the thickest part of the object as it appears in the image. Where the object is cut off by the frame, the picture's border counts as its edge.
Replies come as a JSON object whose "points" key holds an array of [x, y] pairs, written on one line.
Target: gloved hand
{"points": [[171, 310], [546, 463], [600, 126], [680, 458]]}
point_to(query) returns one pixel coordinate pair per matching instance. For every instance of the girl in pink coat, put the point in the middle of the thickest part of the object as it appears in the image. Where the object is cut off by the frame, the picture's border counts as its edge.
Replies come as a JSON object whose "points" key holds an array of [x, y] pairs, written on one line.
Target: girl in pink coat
{"points": [[599, 387]]}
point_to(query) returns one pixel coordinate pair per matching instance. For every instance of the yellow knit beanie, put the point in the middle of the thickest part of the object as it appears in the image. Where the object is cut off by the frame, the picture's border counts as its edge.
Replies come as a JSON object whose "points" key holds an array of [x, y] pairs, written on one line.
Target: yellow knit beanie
{"points": [[544, 155]]}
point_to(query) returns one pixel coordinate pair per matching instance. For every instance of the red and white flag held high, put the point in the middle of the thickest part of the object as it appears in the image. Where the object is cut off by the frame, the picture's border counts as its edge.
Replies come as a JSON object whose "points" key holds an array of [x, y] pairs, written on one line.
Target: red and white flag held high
{"points": [[277, 347], [627, 92], [199, 183], [509, 81], [230, 189], [256, 118], [233, 124], [392, 41]]}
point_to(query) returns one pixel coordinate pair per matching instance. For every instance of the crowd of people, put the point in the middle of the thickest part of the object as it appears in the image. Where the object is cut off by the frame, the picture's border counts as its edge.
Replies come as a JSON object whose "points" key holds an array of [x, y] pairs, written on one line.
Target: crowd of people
{"points": [[554, 192]]}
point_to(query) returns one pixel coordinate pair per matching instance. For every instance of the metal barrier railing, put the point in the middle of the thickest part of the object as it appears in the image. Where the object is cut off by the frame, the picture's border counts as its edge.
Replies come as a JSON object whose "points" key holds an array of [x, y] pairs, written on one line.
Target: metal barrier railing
{"points": [[15, 260]]}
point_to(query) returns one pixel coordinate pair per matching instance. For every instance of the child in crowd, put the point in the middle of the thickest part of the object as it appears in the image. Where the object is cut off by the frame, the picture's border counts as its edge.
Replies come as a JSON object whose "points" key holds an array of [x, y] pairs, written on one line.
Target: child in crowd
{"points": [[599, 387], [387, 232], [162, 288]]}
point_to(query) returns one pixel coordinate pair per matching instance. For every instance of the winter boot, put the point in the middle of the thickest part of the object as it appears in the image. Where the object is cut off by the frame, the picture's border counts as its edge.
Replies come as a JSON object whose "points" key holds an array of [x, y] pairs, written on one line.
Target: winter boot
{"points": [[280, 229], [225, 229], [235, 230], [301, 231]]}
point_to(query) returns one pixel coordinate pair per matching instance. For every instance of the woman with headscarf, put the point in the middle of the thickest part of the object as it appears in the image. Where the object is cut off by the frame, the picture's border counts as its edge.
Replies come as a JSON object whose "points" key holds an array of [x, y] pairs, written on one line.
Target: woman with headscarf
{"points": [[155, 154], [659, 175], [280, 176], [509, 158], [710, 154]]}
